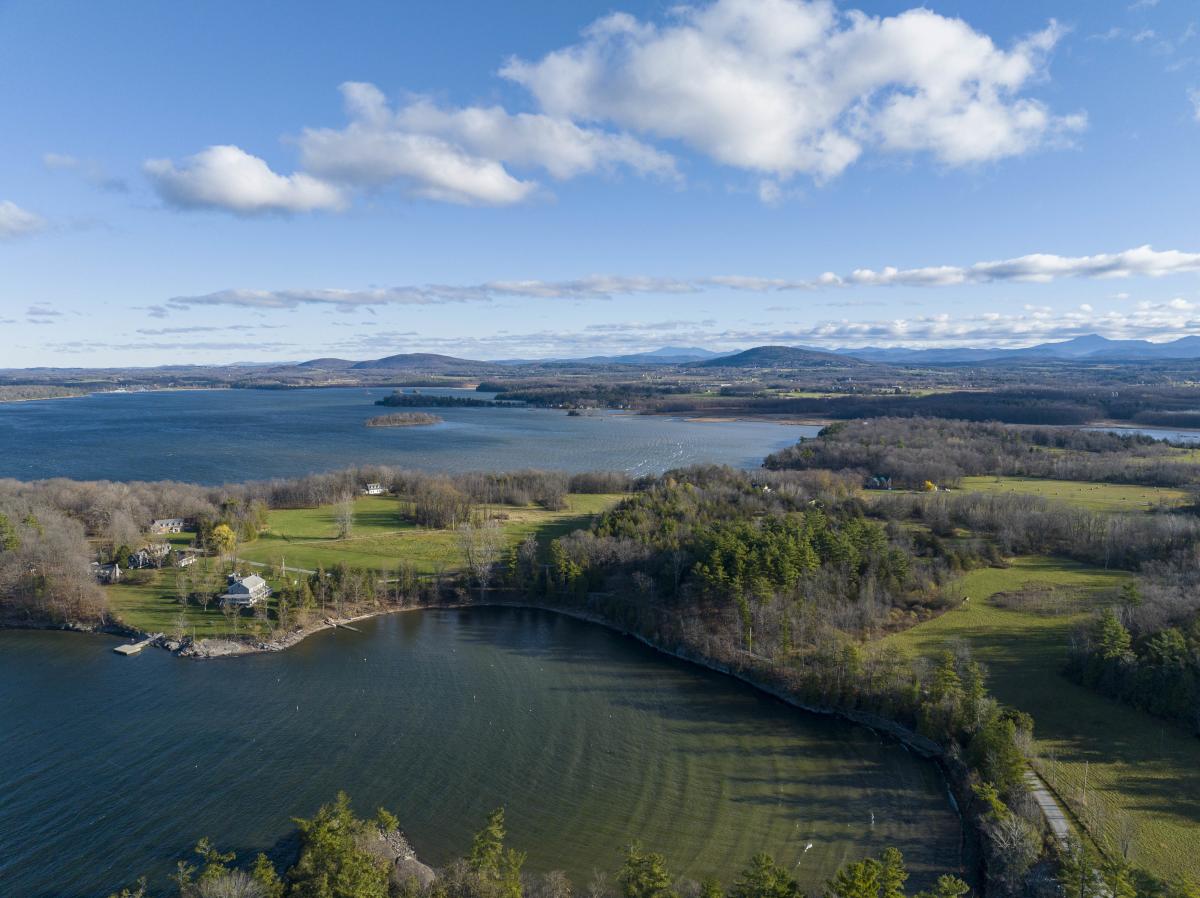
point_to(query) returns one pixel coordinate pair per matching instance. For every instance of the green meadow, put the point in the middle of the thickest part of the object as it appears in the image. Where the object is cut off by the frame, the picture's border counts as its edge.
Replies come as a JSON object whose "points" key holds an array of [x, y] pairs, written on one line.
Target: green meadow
{"points": [[382, 536], [307, 538], [1123, 774], [1100, 497]]}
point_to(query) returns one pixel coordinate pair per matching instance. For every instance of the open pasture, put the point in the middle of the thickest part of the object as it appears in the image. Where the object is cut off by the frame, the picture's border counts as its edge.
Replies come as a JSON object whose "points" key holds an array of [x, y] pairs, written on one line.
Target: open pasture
{"points": [[1099, 497], [1123, 773]]}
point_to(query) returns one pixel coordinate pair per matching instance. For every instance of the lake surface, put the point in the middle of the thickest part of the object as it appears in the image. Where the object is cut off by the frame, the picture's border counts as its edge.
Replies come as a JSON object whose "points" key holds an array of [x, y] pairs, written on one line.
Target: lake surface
{"points": [[1157, 433], [112, 767], [221, 436]]}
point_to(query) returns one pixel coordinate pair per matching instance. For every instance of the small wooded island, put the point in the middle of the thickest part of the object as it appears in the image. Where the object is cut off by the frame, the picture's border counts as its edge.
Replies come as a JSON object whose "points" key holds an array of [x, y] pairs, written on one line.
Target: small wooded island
{"points": [[403, 419]]}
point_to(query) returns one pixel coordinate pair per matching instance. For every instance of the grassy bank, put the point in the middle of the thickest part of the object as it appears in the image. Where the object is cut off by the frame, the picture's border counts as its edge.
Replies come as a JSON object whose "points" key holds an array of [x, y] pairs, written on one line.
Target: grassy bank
{"points": [[1142, 775]]}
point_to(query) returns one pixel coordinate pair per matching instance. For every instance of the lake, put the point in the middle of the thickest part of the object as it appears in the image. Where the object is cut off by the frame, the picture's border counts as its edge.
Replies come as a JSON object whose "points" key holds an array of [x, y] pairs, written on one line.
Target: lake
{"points": [[112, 767], [1157, 433], [221, 436]]}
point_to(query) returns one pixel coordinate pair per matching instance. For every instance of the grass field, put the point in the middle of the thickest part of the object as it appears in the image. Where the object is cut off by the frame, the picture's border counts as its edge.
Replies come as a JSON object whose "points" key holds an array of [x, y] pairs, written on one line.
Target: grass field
{"points": [[1107, 497], [152, 607], [1142, 775], [307, 537], [381, 539]]}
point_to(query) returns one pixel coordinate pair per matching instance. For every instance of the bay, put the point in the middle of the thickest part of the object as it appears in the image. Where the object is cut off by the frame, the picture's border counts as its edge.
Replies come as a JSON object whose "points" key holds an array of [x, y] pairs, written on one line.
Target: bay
{"points": [[113, 767]]}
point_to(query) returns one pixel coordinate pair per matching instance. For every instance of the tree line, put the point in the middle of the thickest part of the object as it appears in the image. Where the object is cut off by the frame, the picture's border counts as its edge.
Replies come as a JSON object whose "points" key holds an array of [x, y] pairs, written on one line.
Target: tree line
{"points": [[51, 530], [342, 855], [1144, 647], [910, 451]]}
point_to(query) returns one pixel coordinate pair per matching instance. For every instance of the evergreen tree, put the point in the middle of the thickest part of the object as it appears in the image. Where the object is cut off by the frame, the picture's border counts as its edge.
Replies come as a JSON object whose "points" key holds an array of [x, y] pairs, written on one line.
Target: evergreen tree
{"points": [[1112, 637], [644, 875], [331, 865], [947, 887], [764, 878]]}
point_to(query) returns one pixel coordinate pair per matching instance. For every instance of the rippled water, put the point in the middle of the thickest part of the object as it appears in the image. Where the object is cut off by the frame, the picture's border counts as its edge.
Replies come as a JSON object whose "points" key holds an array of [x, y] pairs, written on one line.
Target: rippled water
{"points": [[111, 767], [219, 436]]}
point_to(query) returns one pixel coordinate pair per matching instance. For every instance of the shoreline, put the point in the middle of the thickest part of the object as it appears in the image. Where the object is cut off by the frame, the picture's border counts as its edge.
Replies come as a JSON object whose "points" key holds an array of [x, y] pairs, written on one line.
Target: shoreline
{"points": [[1137, 428], [120, 391], [757, 419]]}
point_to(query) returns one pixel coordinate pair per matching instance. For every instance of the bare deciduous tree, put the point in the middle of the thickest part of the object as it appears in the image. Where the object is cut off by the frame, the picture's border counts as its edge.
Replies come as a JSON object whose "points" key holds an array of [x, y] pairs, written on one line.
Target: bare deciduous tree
{"points": [[481, 545]]}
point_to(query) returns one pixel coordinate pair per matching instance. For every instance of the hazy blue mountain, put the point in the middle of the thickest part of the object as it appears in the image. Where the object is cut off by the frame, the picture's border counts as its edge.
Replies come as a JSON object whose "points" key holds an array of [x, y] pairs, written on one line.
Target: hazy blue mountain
{"points": [[780, 357]]}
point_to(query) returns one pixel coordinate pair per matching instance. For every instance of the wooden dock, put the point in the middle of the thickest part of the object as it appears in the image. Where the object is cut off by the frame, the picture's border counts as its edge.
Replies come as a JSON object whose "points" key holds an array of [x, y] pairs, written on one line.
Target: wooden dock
{"points": [[132, 648]]}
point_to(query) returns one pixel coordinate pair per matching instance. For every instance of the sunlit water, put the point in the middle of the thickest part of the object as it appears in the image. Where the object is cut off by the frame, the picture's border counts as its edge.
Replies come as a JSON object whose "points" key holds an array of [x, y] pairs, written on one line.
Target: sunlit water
{"points": [[1157, 433], [111, 767], [220, 436]]}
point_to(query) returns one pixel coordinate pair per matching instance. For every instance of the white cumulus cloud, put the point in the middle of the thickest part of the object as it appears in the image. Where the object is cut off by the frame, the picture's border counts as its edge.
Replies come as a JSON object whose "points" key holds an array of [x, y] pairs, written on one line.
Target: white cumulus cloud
{"points": [[463, 154], [793, 86], [17, 222], [229, 178]]}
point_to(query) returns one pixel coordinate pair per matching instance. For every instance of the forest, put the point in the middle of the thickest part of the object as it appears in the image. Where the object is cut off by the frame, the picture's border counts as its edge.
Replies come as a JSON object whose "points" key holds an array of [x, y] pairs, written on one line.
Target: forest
{"points": [[910, 451], [1146, 649]]}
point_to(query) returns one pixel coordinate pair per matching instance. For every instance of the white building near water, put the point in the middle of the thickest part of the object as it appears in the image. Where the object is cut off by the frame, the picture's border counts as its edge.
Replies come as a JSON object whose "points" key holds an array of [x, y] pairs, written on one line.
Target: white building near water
{"points": [[245, 592], [373, 489]]}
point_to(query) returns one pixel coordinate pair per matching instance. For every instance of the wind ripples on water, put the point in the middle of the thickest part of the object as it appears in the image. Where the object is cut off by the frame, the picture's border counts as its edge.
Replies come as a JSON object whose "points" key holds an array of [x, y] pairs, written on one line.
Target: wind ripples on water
{"points": [[111, 766]]}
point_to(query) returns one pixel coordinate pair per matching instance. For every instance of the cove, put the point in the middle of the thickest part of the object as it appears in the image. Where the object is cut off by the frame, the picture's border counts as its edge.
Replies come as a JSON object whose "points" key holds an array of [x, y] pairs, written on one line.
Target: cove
{"points": [[113, 767]]}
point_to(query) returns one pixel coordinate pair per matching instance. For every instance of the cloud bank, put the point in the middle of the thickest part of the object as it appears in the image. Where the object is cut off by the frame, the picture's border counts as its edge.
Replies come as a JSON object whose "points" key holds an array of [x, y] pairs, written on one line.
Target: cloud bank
{"points": [[773, 88], [1042, 268]]}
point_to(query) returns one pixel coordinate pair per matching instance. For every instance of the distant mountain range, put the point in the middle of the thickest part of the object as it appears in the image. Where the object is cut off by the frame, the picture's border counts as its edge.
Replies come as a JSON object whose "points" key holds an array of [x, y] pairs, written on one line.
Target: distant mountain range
{"points": [[1091, 347], [780, 357], [430, 362]]}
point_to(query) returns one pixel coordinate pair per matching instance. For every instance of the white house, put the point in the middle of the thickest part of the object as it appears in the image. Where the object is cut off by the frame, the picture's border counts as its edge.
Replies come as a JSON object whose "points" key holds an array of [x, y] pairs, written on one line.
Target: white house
{"points": [[167, 525], [245, 592], [373, 489]]}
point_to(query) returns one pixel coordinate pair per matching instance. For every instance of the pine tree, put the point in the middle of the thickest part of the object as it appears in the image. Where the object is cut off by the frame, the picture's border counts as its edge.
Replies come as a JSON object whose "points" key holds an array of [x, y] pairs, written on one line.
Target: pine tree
{"points": [[1112, 637], [644, 875], [764, 878]]}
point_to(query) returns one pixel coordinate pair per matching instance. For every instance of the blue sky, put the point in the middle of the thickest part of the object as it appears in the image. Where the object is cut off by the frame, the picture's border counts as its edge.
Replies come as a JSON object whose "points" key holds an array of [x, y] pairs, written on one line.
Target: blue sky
{"points": [[215, 182]]}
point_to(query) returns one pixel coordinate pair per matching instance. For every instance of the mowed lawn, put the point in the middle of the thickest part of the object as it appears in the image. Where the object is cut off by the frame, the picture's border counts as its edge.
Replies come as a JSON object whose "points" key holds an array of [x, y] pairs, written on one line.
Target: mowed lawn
{"points": [[382, 538], [153, 607], [1106, 497], [1140, 772]]}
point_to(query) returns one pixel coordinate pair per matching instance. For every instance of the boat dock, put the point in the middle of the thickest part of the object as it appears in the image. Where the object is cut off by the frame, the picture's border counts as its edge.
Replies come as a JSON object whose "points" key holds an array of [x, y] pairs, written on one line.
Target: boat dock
{"points": [[133, 648]]}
